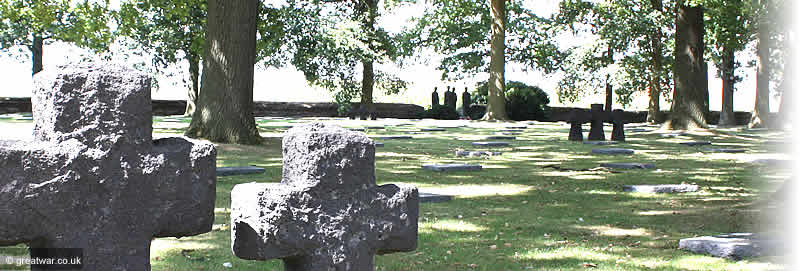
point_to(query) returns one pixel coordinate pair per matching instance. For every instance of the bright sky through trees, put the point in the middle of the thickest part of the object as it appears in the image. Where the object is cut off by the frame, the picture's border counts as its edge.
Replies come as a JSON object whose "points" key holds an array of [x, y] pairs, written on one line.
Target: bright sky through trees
{"points": [[288, 84]]}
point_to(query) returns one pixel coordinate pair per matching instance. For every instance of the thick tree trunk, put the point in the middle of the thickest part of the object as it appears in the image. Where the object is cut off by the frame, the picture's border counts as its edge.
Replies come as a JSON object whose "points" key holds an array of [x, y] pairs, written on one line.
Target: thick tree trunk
{"points": [[760, 116], [37, 49], [225, 102], [726, 117], [690, 98], [654, 86], [496, 101], [367, 87], [194, 88], [369, 11]]}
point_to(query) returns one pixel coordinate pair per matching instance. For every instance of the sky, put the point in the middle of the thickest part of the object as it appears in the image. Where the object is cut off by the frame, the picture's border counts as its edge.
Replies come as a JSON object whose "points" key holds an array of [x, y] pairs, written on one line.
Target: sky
{"points": [[271, 84]]}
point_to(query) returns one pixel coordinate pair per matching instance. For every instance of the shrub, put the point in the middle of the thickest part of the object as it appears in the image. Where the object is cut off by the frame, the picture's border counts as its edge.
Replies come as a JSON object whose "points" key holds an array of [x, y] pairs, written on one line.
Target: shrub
{"points": [[441, 112], [523, 102]]}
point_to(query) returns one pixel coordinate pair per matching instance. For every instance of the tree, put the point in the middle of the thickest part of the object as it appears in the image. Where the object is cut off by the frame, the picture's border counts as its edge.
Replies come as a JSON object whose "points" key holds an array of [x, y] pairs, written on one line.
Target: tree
{"points": [[496, 101], [690, 97], [33, 23], [761, 110], [225, 104], [328, 41], [729, 32], [633, 28], [464, 32], [170, 31]]}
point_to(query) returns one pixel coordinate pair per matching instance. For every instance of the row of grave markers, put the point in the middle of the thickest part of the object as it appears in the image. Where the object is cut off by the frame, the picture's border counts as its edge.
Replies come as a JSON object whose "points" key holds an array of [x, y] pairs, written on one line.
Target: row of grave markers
{"points": [[94, 178]]}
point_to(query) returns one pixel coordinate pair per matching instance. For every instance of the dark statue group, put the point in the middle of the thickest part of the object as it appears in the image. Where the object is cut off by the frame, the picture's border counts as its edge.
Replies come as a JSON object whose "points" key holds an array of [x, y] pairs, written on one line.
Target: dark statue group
{"points": [[597, 116], [451, 99]]}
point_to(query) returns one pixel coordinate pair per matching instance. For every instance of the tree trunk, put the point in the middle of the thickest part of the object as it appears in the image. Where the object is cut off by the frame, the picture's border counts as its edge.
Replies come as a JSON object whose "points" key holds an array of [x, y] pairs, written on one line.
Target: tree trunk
{"points": [[36, 53], [367, 87], [690, 98], [194, 88], [654, 86], [496, 101], [609, 87], [760, 116], [369, 10], [726, 116], [225, 102]]}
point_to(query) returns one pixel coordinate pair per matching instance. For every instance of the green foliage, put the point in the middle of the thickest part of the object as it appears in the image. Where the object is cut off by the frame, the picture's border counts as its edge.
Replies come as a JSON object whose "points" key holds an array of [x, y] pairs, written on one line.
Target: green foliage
{"points": [[460, 30], [729, 27], [169, 30], [626, 28], [441, 112], [328, 41], [83, 23], [523, 102]]}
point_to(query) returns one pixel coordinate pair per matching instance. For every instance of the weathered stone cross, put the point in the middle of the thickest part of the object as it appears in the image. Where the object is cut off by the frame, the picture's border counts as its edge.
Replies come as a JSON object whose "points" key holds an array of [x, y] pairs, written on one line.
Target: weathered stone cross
{"points": [[327, 213], [94, 178]]}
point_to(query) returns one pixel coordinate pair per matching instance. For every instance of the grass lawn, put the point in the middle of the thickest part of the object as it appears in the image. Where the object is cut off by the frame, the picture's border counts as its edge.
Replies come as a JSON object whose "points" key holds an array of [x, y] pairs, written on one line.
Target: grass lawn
{"points": [[544, 204]]}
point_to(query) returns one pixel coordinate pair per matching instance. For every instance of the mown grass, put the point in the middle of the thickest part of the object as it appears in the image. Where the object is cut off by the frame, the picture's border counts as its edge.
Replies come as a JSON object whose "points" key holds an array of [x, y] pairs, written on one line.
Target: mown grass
{"points": [[543, 205]]}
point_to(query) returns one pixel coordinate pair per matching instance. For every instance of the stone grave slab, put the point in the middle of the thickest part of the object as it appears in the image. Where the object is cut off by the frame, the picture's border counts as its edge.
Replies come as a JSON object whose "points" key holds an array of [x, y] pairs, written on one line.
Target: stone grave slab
{"points": [[327, 213], [673, 134], [696, 143], [396, 137], [734, 246], [628, 165], [612, 151], [378, 144], [600, 143], [724, 150], [93, 177], [517, 127], [661, 188], [501, 137], [452, 167], [772, 162], [477, 153], [637, 130], [433, 198], [357, 129], [491, 144], [432, 130], [511, 134], [512, 130], [375, 127], [232, 171]]}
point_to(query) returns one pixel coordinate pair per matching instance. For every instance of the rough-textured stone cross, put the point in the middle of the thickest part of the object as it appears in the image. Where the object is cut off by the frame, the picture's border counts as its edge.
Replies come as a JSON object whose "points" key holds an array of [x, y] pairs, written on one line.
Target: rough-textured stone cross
{"points": [[93, 178], [599, 116], [327, 213], [577, 118], [618, 119]]}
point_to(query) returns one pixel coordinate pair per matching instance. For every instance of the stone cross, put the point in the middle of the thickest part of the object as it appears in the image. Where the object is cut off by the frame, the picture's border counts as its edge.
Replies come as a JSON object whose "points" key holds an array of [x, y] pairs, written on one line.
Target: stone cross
{"points": [[598, 118], [577, 118], [618, 119], [327, 213], [94, 178]]}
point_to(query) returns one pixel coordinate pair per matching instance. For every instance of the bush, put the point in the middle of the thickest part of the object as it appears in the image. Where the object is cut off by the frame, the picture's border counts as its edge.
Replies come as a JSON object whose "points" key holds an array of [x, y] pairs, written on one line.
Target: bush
{"points": [[523, 102], [441, 112]]}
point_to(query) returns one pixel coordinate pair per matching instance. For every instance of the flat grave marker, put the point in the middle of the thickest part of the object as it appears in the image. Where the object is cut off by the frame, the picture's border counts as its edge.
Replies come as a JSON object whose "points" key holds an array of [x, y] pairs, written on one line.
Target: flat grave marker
{"points": [[232, 171], [612, 151], [600, 143], [433, 198], [661, 188], [395, 137], [491, 144], [501, 138], [628, 165], [734, 246], [477, 153], [724, 150], [452, 167], [432, 130], [696, 143]]}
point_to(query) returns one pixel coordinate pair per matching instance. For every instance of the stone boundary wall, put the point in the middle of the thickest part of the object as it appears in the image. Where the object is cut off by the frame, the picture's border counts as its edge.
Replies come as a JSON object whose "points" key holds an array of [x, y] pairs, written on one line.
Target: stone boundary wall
{"points": [[260, 109], [385, 110]]}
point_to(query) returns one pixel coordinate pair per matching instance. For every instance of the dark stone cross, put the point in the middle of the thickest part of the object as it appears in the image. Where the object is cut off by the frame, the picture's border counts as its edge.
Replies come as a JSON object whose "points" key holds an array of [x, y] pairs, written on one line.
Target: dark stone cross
{"points": [[327, 213], [599, 117], [94, 178], [618, 120], [577, 118]]}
